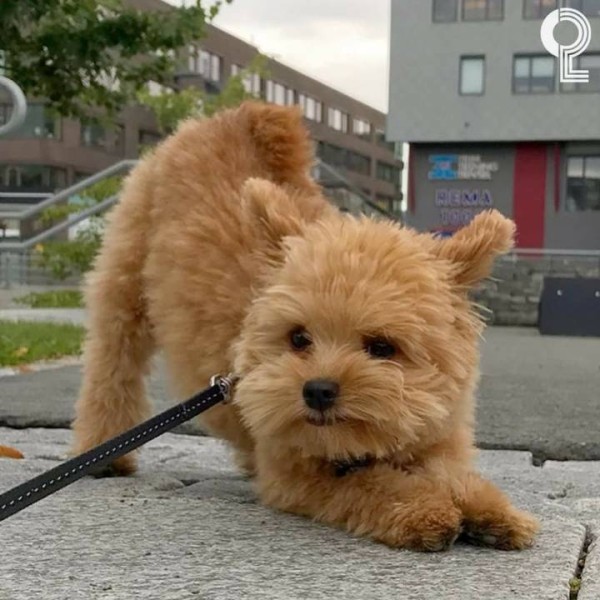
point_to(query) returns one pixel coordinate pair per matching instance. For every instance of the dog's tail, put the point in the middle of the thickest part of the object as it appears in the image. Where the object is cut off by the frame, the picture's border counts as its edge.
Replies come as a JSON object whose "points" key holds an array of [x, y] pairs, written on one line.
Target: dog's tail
{"points": [[282, 141]]}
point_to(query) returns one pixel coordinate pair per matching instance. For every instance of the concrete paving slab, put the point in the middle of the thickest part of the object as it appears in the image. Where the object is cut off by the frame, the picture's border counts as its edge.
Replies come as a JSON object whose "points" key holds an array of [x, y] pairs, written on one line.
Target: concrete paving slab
{"points": [[590, 580], [158, 536]]}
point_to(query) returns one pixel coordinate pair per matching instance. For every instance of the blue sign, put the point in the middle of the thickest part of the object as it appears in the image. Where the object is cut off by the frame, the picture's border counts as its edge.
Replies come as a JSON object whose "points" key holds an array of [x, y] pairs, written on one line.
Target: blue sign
{"points": [[443, 167]]}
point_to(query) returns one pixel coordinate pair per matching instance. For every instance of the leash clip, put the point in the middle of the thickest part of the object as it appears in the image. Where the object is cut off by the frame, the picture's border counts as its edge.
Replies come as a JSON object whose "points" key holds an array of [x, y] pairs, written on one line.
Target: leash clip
{"points": [[226, 384]]}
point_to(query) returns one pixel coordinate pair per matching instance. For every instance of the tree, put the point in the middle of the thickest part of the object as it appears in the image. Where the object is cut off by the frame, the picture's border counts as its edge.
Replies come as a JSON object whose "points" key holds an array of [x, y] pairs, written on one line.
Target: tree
{"points": [[93, 54], [66, 258]]}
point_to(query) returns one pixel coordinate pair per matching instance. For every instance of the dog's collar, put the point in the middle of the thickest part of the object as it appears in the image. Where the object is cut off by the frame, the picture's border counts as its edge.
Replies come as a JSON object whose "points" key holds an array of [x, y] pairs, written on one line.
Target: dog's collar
{"points": [[341, 468]]}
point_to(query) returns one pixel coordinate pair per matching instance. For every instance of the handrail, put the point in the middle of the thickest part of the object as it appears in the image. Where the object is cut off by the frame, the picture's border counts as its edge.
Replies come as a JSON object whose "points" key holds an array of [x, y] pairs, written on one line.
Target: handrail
{"points": [[555, 252], [67, 224], [25, 194], [351, 186], [70, 191]]}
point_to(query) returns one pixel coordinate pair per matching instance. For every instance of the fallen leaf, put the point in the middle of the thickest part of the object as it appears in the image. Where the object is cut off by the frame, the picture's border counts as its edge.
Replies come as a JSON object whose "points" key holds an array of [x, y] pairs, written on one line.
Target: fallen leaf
{"points": [[8, 452], [22, 351]]}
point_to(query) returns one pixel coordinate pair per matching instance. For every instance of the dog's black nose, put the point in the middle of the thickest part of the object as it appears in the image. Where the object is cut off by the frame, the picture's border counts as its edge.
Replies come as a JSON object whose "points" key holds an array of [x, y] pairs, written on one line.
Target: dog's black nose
{"points": [[320, 394]]}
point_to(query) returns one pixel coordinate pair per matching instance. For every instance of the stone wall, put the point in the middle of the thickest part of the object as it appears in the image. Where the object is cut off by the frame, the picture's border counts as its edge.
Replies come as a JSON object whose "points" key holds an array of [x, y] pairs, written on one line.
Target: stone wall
{"points": [[512, 295]]}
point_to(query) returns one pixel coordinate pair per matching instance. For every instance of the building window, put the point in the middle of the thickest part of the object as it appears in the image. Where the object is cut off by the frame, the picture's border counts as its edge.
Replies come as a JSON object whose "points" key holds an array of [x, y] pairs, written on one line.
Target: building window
{"points": [[250, 81], [538, 9], [391, 204], [204, 63], [359, 163], [472, 75], [279, 94], [93, 135], [533, 74], [445, 11], [361, 128], [344, 158], [590, 8], [583, 183], [39, 122], [32, 177], [332, 155], [591, 62], [337, 119], [147, 139], [388, 173], [380, 139], [118, 143], [483, 10], [311, 108]]}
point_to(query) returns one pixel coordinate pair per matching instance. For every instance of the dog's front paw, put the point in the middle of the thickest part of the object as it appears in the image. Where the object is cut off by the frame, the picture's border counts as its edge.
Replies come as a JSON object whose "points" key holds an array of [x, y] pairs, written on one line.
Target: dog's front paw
{"points": [[431, 526], [511, 529]]}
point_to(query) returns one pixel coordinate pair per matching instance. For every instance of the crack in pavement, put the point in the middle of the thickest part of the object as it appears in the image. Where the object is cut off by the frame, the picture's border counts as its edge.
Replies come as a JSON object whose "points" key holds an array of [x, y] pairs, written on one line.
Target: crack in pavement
{"points": [[577, 579]]}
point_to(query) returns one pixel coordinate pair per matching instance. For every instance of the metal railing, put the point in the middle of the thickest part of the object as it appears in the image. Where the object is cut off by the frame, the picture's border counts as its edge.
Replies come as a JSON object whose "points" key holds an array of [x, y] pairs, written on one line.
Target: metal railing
{"points": [[554, 262], [345, 194], [123, 166], [18, 263]]}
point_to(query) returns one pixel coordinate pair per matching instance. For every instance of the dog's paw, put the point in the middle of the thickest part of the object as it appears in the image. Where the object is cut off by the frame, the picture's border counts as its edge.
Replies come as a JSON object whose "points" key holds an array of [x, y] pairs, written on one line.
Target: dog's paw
{"points": [[121, 467], [428, 527], [509, 530]]}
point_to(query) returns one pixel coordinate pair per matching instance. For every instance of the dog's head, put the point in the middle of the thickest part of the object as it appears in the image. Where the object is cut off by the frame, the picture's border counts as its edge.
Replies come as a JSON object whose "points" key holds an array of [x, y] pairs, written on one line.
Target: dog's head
{"points": [[363, 340]]}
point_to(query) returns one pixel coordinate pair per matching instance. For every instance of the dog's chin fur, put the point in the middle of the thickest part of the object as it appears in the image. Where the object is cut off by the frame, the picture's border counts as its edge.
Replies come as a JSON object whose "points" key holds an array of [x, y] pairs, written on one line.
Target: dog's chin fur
{"points": [[220, 247]]}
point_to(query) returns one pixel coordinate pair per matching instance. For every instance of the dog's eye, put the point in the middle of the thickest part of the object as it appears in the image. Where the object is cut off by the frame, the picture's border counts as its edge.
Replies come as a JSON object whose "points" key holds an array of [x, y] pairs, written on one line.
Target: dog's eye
{"points": [[380, 348], [300, 339]]}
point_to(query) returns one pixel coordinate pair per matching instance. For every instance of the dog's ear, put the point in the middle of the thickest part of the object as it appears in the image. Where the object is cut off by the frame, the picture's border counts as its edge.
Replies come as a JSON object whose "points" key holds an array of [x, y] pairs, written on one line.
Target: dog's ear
{"points": [[269, 211], [473, 248]]}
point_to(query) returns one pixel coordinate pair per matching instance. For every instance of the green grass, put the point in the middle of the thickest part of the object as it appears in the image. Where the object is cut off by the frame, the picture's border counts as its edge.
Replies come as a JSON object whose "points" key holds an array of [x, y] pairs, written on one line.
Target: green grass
{"points": [[52, 299], [23, 342]]}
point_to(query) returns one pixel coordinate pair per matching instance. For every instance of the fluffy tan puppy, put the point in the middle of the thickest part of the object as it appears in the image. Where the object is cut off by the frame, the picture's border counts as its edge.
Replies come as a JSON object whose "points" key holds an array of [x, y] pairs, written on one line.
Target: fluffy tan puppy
{"points": [[355, 341]]}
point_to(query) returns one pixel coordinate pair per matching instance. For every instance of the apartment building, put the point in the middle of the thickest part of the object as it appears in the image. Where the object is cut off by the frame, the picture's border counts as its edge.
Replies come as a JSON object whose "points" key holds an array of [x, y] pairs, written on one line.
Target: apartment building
{"points": [[47, 154], [478, 98]]}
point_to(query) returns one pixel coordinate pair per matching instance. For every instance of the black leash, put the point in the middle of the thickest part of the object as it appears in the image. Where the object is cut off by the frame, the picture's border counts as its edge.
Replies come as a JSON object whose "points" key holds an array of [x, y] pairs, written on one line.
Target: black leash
{"points": [[68, 472]]}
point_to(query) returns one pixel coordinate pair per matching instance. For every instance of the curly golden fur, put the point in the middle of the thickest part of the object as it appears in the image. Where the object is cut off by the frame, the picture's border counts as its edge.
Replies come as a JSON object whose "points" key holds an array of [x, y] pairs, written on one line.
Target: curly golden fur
{"points": [[221, 247]]}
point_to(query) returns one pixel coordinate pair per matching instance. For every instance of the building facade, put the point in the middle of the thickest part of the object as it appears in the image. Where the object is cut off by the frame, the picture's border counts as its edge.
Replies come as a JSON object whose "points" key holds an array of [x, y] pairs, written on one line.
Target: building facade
{"points": [[478, 98], [47, 154]]}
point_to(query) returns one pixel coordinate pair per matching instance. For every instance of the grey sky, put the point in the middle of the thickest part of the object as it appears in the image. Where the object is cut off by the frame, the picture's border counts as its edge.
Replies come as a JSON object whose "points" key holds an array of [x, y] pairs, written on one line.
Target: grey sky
{"points": [[343, 43]]}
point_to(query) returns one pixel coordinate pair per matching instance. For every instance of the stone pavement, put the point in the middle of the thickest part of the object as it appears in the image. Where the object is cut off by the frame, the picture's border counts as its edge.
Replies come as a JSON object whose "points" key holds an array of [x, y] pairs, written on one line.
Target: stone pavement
{"points": [[188, 526]]}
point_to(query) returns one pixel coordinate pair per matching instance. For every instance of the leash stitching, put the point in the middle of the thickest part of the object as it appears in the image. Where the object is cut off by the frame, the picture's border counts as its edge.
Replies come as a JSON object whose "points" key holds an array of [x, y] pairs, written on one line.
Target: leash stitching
{"points": [[144, 433]]}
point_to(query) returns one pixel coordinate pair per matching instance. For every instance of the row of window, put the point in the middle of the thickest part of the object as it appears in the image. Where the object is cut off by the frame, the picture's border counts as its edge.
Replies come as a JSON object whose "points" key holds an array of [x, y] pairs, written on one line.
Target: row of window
{"points": [[204, 63], [210, 67], [39, 122], [312, 109], [358, 163], [448, 11], [33, 177], [531, 74]]}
